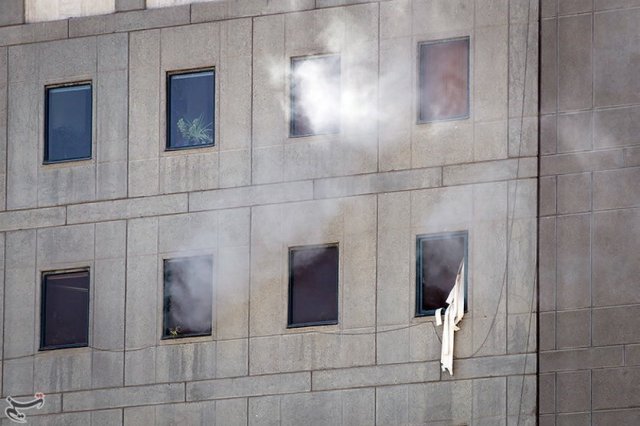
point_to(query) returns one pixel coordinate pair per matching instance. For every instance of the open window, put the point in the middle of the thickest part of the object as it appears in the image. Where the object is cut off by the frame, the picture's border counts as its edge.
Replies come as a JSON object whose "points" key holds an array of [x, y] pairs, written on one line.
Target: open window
{"points": [[439, 258], [68, 119], [188, 297], [64, 314], [313, 285], [315, 95], [190, 109], [443, 80]]}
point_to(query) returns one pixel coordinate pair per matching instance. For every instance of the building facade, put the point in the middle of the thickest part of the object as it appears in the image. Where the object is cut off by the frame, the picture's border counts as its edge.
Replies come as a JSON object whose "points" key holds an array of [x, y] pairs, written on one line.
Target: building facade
{"points": [[530, 177]]}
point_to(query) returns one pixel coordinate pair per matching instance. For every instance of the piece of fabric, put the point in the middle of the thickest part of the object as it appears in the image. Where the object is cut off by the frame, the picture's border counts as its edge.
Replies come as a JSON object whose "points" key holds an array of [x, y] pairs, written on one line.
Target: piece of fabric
{"points": [[452, 316]]}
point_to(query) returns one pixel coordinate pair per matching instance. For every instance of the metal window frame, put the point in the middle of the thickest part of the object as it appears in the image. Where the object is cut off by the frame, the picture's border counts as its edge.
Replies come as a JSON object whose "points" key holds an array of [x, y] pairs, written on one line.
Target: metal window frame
{"points": [[47, 89], [168, 77], [420, 312], [293, 249], [421, 81], [43, 304], [166, 299], [292, 106]]}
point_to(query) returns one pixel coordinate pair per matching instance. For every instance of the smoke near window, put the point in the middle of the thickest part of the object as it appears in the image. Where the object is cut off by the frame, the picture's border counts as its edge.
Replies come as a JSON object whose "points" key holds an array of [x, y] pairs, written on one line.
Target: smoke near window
{"points": [[188, 297]]}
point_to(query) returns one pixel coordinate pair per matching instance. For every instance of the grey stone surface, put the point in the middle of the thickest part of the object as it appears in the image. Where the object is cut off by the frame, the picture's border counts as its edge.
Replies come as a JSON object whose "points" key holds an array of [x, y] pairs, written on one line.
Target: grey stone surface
{"points": [[616, 189], [249, 386], [574, 391], [375, 376], [574, 193], [615, 388], [578, 359], [33, 33], [125, 5], [575, 74], [124, 397], [12, 12], [127, 209]]}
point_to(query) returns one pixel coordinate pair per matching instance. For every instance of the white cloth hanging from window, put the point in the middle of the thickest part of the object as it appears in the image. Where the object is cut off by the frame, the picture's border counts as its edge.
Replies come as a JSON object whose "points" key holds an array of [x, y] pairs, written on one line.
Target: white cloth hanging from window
{"points": [[452, 316]]}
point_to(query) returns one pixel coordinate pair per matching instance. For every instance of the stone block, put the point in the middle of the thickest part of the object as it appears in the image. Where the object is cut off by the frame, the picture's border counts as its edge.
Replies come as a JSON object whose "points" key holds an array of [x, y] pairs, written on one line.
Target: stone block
{"points": [[127, 209], [17, 376], [573, 262], [124, 397], [549, 66], [521, 333], [489, 397], [547, 324], [492, 366], [392, 405], [616, 127], [111, 113], [140, 366], [107, 369], [112, 180], [490, 73], [581, 162], [574, 193], [376, 376], [615, 4], [574, 391], [548, 8], [250, 196], [616, 417], [573, 328], [232, 292], [568, 7], [632, 157], [62, 372], [20, 291], [179, 363], [130, 21], [73, 184], [187, 232], [547, 195], [235, 168], [488, 171], [575, 72], [616, 189], [615, 388], [12, 12], [142, 298], [625, 331], [575, 419], [110, 240], [267, 164], [215, 11], [575, 132], [249, 386], [614, 238], [443, 142], [547, 393], [614, 43], [328, 408], [65, 244], [548, 134], [33, 33], [232, 358], [108, 304], [580, 359], [29, 219], [126, 5], [68, 59], [443, 16]]}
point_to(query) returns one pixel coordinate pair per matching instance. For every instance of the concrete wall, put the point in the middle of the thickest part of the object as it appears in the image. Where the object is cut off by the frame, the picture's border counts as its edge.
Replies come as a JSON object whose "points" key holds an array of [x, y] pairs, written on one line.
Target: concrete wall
{"points": [[371, 188], [590, 221]]}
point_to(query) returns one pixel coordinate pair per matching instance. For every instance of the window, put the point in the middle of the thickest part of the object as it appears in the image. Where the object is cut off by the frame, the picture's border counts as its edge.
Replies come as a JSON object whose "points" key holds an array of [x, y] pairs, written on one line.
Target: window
{"points": [[67, 123], [188, 297], [190, 118], [439, 258], [444, 80], [315, 95], [64, 310], [313, 285]]}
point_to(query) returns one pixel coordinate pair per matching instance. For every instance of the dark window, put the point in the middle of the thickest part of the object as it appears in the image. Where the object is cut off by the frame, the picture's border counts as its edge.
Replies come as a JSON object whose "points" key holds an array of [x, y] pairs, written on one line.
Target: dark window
{"points": [[188, 296], [65, 310], [444, 80], [68, 123], [315, 95], [439, 258], [190, 100], [313, 285]]}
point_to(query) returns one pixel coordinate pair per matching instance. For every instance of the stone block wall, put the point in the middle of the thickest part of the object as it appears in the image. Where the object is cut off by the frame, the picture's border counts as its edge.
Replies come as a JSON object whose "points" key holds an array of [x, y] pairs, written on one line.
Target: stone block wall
{"points": [[372, 188], [589, 216]]}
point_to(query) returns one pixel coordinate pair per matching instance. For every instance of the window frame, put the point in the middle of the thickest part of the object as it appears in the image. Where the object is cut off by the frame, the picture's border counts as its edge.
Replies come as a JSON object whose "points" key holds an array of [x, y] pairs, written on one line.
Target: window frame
{"points": [[420, 83], [420, 312], [167, 137], [47, 88], [43, 304], [165, 311], [290, 324], [292, 107]]}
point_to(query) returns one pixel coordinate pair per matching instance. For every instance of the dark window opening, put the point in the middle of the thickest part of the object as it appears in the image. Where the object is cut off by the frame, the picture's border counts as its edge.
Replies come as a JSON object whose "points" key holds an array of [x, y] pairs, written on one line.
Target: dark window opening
{"points": [[188, 297], [313, 285], [315, 95], [68, 123], [190, 109], [439, 258], [444, 80], [64, 310]]}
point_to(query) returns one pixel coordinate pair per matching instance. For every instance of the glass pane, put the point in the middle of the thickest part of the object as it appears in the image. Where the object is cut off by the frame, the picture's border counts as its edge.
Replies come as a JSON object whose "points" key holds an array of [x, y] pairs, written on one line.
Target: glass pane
{"points": [[188, 296], [441, 260], [444, 75], [68, 134], [190, 112], [315, 95], [313, 285], [65, 316]]}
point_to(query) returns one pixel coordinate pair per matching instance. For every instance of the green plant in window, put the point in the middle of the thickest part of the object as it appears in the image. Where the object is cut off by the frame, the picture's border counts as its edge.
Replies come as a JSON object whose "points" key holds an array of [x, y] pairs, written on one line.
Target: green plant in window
{"points": [[175, 332], [196, 131]]}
